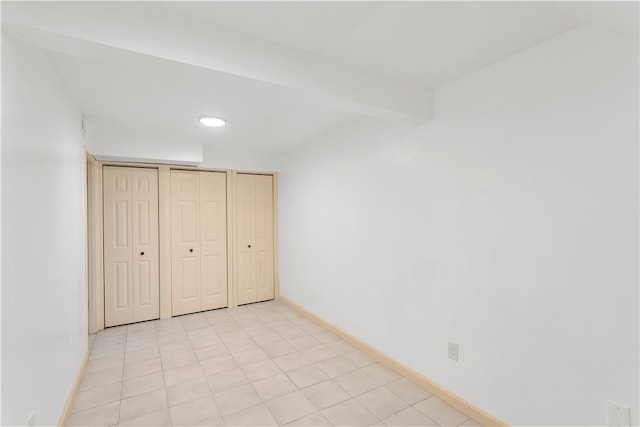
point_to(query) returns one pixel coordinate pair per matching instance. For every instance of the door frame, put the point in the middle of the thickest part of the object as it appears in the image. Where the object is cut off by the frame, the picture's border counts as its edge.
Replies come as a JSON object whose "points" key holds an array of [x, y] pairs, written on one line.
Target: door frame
{"points": [[95, 268], [95, 252]]}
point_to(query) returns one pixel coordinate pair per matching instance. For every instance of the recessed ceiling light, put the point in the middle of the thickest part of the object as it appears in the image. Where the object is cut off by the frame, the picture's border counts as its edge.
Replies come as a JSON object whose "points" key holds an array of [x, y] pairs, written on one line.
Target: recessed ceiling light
{"points": [[212, 121]]}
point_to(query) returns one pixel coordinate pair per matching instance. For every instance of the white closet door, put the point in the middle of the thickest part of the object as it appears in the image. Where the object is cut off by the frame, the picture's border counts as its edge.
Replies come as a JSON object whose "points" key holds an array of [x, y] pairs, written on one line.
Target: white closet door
{"points": [[246, 237], [146, 274], [130, 224], [254, 216], [117, 246], [199, 241], [185, 238], [213, 243], [264, 238]]}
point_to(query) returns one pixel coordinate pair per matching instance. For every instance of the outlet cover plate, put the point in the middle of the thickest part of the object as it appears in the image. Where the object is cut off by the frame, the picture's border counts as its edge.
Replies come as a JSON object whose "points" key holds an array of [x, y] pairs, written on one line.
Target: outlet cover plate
{"points": [[453, 351], [619, 415]]}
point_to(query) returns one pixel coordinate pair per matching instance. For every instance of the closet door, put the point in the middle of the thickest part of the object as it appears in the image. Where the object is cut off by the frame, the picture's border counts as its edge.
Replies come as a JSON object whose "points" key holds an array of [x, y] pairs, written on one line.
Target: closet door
{"points": [[146, 272], [131, 267], [254, 215], [199, 241], [185, 237], [264, 238], [213, 243], [246, 236]]}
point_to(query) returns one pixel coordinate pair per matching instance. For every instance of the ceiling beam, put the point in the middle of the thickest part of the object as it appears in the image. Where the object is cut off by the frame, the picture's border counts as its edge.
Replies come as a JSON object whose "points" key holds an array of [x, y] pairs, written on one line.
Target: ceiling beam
{"points": [[146, 29]]}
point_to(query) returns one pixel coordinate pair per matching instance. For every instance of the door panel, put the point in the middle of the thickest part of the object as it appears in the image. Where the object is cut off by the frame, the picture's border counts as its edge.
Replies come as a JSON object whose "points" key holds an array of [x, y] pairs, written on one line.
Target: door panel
{"points": [[132, 286], [189, 278], [246, 248], [118, 291], [121, 277], [213, 216], [189, 221], [264, 238], [185, 271], [199, 234], [143, 291], [146, 276], [255, 280], [214, 285], [121, 223], [141, 223]]}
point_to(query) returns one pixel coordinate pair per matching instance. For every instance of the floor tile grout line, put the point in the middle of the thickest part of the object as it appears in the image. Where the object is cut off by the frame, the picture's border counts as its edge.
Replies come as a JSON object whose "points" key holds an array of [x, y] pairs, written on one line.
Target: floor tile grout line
{"points": [[230, 353], [262, 401], [298, 389], [124, 355], [286, 373], [164, 383], [252, 320]]}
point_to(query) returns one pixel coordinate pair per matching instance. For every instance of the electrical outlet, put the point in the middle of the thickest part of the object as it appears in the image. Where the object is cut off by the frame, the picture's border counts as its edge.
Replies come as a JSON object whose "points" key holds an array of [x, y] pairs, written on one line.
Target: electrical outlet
{"points": [[619, 415], [31, 421], [453, 351]]}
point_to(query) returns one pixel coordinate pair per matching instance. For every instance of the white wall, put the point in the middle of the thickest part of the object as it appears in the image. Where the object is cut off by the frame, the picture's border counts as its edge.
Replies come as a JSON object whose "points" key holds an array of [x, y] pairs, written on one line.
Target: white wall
{"points": [[44, 328], [135, 145], [241, 159], [508, 225]]}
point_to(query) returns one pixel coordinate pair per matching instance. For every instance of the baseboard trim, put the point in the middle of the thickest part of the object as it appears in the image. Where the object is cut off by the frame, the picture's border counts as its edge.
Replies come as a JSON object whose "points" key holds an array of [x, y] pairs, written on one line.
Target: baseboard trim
{"points": [[437, 390], [74, 390]]}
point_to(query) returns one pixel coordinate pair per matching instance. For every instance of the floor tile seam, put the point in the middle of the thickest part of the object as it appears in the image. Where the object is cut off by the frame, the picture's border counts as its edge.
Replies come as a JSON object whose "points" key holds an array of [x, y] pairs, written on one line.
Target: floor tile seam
{"points": [[277, 333], [264, 333], [228, 351], [93, 407], [352, 398], [214, 394], [263, 401], [468, 418], [224, 417], [361, 393], [290, 379], [164, 387], [85, 373], [403, 401], [89, 389], [253, 341], [124, 355], [435, 423], [411, 382], [427, 415], [301, 391], [132, 337], [318, 409], [155, 332]]}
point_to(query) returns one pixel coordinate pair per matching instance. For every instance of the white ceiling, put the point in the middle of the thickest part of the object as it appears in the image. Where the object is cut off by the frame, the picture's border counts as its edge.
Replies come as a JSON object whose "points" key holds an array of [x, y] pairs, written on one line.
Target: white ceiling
{"points": [[429, 43], [168, 97], [282, 73]]}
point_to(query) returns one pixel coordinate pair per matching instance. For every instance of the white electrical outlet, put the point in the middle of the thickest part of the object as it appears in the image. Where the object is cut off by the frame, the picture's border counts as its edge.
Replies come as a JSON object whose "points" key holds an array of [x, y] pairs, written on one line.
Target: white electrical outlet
{"points": [[31, 421], [453, 351], [619, 415]]}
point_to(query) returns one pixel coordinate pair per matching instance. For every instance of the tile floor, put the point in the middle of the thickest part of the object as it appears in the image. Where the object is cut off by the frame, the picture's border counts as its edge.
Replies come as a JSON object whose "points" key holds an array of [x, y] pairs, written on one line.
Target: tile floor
{"points": [[257, 365]]}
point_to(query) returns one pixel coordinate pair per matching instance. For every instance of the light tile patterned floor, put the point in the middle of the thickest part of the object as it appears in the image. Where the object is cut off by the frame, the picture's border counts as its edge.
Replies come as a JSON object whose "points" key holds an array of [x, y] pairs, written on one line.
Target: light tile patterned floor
{"points": [[257, 365]]}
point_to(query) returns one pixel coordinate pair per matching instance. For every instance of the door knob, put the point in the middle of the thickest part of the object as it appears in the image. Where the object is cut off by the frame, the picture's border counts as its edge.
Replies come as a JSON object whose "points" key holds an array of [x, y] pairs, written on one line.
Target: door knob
{"points": [[141, 253], [190, 250]]}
